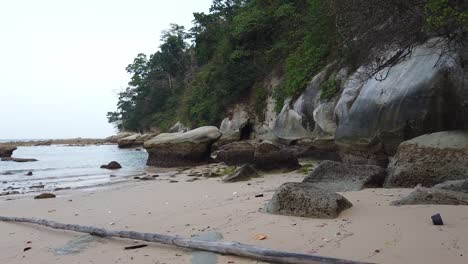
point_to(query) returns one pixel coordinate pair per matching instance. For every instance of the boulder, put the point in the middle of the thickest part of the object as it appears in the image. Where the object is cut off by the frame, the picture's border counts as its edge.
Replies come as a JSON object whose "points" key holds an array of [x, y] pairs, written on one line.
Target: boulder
{"points": [[306, 200], [433, 196], [339, 177], [115, 138], [128, 142], [236, 153], [420, 95], [456, 186], [236, 127], [45, 196], [6, 151], [182, 149], [244, 173], [113, 165], [269, 156], [430, 159], [321, 149]]}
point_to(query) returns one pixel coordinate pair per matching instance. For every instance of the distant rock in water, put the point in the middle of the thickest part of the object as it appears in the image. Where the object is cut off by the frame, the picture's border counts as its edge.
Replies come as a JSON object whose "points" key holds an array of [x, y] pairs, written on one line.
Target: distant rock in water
{"points": [[113, 165], [6, 151], [182, 149], [29, 173], [115, 138], [18, 159], [45, 196], [306, 200], [43, 143]]}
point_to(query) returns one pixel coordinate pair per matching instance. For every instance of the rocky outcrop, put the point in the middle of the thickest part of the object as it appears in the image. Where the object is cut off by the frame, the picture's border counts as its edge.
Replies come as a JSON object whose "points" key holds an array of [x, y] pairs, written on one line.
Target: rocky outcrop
{"points": [[115, 138], [340, 177], [430, 159], [45, 196], [420, 95], [182, 149], [6, 151], [269, 156], [306, 200], [316, 149], [235, 127], [236, 153], [243, 173], [433, 196], [456, 186], [136, 140]]}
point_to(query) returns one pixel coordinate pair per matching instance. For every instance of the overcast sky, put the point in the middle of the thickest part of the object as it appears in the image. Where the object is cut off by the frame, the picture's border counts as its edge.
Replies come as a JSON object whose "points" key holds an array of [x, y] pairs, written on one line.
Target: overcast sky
{"points": [[62, 62]]}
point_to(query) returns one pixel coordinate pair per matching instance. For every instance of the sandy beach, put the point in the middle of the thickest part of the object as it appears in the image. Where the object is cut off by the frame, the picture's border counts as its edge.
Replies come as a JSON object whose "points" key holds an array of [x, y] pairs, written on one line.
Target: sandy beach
{"points": [[371, 231]]}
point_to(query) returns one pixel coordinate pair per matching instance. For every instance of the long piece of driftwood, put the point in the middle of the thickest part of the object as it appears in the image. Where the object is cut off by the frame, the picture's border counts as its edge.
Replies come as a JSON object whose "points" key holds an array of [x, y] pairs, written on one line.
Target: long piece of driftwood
{"points": [[225, 248]]}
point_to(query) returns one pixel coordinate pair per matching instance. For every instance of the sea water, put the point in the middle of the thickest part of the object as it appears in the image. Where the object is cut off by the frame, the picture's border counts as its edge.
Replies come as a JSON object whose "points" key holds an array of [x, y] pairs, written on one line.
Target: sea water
{"points": [[61, 166]]}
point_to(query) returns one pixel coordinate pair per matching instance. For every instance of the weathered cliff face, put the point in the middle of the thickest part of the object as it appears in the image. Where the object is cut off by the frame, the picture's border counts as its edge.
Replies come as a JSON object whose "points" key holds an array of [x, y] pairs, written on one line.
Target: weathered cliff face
{"points": [[368, 119], [420, 95]]}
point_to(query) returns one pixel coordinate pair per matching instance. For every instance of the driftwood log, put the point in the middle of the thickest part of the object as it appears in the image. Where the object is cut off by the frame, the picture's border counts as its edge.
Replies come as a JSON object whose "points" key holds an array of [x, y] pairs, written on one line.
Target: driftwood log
{"points": [[225, 248]]}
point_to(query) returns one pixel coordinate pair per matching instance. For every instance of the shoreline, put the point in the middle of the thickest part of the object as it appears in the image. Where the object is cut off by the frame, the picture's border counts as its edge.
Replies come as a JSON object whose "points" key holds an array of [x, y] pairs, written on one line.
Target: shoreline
{"points": [[371, 230], [48, 142]]}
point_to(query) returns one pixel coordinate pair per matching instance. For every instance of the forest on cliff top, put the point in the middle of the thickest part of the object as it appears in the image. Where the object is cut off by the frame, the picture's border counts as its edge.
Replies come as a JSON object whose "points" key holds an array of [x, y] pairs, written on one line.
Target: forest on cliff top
{"points": [[225, 58]]}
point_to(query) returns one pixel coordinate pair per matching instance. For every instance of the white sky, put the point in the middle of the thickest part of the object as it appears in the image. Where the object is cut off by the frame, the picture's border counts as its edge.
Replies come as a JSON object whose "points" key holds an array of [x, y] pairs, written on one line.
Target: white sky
{"points": [[62, 62]]}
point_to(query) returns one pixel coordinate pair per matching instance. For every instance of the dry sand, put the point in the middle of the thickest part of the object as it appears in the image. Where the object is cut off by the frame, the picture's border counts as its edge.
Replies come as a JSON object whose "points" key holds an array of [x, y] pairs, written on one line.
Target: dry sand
{"points": [[370, 231]]}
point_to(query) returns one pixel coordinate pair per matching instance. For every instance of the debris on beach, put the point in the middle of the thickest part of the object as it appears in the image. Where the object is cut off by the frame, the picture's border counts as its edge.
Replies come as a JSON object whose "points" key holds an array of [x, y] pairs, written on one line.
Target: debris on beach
{"points": [[135, 247]]}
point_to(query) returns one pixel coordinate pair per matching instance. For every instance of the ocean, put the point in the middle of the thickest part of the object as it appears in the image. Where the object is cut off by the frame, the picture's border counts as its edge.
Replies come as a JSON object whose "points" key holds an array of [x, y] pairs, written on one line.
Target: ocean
{"points": [[61, 166]]}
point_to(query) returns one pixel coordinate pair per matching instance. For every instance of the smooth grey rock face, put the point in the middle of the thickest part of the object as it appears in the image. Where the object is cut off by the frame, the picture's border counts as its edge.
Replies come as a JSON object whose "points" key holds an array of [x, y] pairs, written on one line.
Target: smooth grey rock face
{"points": [[433, 196], [135, 140], [306, 200], [243, 173], [115, 138], [456, 186], [339, 177], [182, 149], [420, 95], [429, 160]]}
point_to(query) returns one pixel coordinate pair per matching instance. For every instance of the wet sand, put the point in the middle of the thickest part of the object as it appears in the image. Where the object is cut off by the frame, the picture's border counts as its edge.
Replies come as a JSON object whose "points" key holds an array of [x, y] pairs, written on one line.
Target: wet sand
{"points": [[370, 231]]}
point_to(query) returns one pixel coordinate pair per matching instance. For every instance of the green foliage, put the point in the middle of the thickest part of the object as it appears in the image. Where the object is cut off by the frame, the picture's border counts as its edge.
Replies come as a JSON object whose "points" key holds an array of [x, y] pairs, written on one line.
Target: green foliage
{"points": [[442, 14], [329, 89]]}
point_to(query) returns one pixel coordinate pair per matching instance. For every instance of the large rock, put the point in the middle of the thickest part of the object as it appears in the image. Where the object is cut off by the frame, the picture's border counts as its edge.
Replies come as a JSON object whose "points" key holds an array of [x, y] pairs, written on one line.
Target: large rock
{"points": [[430, 159], [115, 138], [136, 140], [306, 200], [340, 177], [456, 186], [316, 149], [236, 127], [242, 173], [128, 142], [6, 151], [182, 149], [113, 165], [269, 156], [422, 94], [433, 196], [236, 153]]}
